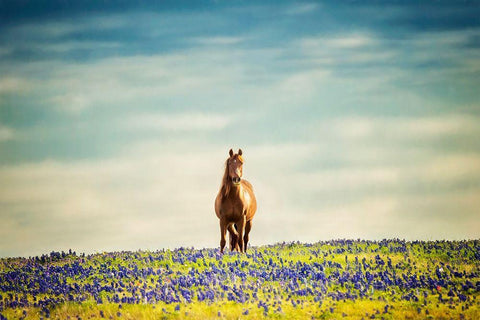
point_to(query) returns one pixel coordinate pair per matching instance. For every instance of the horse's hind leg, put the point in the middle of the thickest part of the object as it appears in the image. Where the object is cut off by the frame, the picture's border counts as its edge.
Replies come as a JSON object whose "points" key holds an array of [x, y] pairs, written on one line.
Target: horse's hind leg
{"points": [[223, 233], [248, 227], [240, 229], [233, 237]]}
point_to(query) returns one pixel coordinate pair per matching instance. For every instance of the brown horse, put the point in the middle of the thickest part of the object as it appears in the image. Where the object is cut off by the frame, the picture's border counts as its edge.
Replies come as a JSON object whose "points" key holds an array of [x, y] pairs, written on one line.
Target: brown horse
{"points": [[235, 204]]}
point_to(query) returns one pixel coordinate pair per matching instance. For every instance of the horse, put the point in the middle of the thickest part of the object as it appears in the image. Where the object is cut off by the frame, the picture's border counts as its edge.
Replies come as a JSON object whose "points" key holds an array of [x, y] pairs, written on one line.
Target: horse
{"points": [[235, 204]]}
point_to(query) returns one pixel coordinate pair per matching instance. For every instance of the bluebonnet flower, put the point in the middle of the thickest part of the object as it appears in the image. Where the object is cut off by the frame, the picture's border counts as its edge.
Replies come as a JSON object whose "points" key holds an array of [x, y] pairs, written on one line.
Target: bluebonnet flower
{"points": [[138, 278]]}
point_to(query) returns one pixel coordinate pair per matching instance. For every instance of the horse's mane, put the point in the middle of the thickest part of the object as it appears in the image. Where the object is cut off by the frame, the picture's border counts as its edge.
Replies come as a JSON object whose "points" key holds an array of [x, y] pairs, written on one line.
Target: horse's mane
{"points": [[225, 186]]}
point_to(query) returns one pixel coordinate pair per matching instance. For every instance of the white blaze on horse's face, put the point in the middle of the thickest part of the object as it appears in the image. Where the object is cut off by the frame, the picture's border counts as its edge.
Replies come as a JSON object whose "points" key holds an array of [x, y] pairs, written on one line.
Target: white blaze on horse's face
{"points": [[235, 169]]}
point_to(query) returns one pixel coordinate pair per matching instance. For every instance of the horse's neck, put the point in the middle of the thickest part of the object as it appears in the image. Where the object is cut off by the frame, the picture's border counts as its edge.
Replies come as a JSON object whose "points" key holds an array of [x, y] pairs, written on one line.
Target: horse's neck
{"points": [[233, 191]]}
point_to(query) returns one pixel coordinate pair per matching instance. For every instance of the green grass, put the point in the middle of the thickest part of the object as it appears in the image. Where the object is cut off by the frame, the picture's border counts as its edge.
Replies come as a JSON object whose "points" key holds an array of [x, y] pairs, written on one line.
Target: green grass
{"points": [[336, 260]]}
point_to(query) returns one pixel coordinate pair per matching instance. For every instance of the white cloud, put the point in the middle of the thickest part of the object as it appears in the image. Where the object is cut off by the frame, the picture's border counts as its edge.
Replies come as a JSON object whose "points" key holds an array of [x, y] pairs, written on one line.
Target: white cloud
{"points": [[5, 133], [203, 78], [57, 29], [446, 124], [453, 168], [448, 38], [72, 102], [11, 84], [146, 81], [178, 122], [50, 29], [324, 44], [66, 46], [209, 41], [421, 127], [302, 8], [350, 42]]}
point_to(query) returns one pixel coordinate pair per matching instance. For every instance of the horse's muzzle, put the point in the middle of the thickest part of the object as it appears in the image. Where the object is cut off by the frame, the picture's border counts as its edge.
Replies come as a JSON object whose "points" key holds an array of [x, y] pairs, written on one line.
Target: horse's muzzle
{"points": [[236, 180]]}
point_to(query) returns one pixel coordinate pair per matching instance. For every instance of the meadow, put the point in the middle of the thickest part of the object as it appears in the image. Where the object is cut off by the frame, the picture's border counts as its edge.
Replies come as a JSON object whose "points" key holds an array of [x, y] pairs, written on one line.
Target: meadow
{"points": [[356, 279]]}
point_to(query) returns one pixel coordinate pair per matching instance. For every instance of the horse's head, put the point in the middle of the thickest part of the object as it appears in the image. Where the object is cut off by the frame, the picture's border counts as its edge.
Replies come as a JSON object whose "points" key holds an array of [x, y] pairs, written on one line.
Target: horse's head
{"points": [[234, 165]]}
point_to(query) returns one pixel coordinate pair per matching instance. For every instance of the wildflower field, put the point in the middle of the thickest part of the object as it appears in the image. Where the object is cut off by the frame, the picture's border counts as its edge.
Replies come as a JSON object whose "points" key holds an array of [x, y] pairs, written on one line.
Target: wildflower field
{"points": [[389, 279]]}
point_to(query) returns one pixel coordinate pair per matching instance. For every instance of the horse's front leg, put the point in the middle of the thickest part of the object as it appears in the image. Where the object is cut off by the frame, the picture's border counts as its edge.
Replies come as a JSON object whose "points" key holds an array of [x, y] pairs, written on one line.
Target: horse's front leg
{"points": [[240, 230], [223, 233], [248, 227]]}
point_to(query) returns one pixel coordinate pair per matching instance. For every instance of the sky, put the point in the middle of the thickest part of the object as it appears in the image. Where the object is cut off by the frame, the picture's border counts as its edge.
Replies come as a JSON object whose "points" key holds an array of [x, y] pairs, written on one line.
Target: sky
{"points": [[357, 119]]}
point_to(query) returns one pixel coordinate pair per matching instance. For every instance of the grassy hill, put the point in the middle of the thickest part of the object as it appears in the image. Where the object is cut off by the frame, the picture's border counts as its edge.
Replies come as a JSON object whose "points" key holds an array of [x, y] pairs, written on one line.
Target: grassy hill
{"points": [[356, 279]]}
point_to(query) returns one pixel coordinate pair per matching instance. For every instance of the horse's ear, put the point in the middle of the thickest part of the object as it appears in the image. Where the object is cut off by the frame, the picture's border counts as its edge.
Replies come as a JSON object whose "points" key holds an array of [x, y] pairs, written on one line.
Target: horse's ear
{"points": [[239, 152], [231, 152]]}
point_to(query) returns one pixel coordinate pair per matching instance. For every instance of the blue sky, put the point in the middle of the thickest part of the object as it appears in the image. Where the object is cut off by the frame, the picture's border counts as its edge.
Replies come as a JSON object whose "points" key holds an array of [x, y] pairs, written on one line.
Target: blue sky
{"points": [[357, 120]]}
